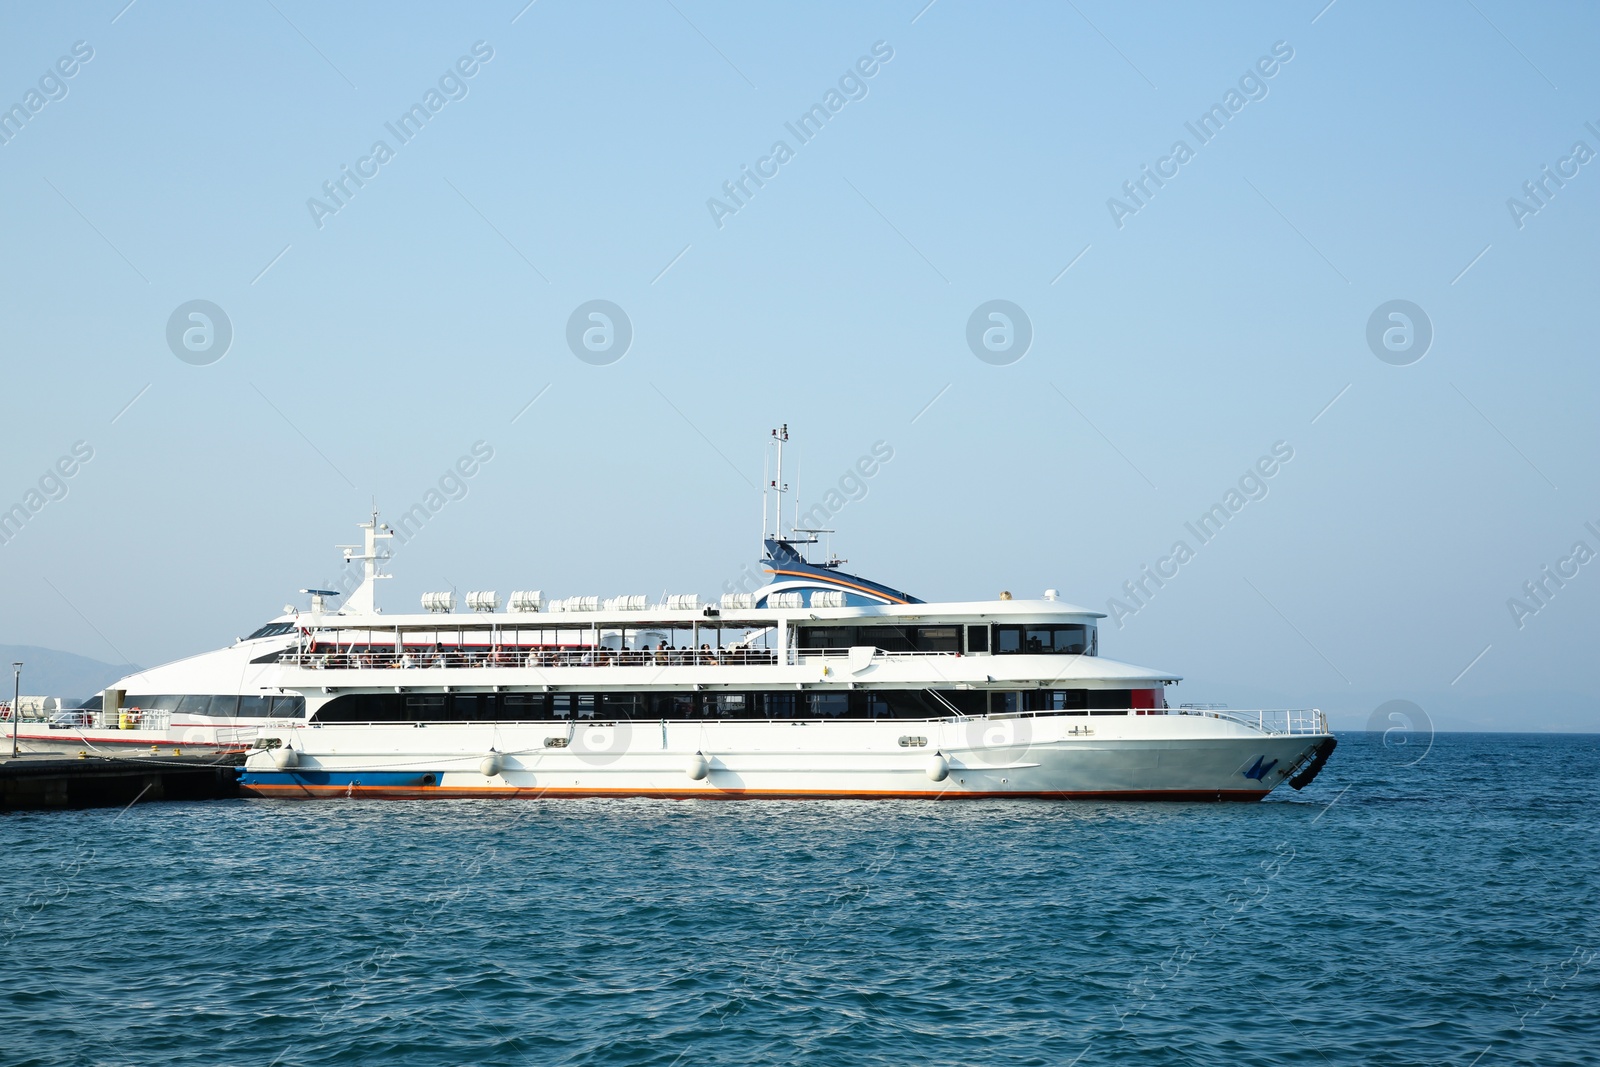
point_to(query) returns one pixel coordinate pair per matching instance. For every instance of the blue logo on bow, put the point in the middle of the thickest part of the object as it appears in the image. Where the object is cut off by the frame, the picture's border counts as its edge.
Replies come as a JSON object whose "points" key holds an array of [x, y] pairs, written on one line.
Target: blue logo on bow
{"points": [[1259, 771]]}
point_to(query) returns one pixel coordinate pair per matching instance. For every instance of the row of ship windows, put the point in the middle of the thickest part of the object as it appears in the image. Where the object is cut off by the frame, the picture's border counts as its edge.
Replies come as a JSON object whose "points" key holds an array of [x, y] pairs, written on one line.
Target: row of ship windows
{"points": [[783, 704], [223, 707], [1074, 639]]}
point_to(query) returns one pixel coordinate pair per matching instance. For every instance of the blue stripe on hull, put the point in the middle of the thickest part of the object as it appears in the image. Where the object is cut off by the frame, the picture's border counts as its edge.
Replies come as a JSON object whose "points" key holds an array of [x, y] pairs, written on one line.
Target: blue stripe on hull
{"points": [[403, 779]]}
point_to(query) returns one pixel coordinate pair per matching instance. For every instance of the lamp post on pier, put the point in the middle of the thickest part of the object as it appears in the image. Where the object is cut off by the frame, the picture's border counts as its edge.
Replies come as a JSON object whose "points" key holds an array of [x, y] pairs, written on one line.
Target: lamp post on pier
{"points": [[16, 688]]}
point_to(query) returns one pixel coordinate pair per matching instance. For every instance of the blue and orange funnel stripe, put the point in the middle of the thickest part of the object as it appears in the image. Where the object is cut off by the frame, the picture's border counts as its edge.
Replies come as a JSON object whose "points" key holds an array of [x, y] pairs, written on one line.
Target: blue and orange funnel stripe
{"points": [[784, 562]]}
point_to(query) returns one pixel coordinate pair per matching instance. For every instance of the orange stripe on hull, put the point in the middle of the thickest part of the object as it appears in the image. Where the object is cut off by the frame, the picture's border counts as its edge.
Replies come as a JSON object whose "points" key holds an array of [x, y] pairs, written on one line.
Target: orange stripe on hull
{"points": [[388, 792]]}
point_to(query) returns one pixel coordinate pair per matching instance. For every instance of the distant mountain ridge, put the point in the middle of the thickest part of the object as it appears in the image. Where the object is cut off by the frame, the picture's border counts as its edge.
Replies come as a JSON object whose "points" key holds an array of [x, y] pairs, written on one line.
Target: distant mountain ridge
{"points": [[47, 672]]}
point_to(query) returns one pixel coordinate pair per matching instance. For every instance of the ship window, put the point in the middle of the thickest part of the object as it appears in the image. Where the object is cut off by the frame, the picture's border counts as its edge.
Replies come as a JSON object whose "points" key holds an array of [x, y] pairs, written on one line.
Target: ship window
{"points": [[1056, 699], [1074, 640], [978, 638], [272, 629], [889, 638], [914, 703], [288, 707], [967, 701], [194, 704], [869, 704], [671, 705], [472, 707], [814, 637], [516, 707], [252, 707], [622, 705], [424, 707], [226, 707], [775, 705], [829, 705]]}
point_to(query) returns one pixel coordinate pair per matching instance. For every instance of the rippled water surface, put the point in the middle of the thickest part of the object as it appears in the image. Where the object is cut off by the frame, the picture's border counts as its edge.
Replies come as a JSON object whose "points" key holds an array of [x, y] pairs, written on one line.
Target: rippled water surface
{"points": [[1429, 913]]}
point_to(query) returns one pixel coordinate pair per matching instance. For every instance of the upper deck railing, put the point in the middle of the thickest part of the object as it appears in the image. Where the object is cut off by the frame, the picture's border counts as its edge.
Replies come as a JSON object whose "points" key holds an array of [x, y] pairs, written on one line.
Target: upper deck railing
{"points": [[585, 656], [542, 657]]}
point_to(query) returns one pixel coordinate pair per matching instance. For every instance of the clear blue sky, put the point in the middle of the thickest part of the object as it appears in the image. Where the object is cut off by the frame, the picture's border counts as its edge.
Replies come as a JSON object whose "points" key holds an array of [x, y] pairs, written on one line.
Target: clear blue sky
{"points": [[371, 352]]}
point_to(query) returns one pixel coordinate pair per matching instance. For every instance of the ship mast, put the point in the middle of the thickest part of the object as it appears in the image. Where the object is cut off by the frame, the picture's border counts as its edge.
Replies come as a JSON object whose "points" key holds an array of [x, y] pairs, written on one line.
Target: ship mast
{"points": [[777, 486], [363, 600]]}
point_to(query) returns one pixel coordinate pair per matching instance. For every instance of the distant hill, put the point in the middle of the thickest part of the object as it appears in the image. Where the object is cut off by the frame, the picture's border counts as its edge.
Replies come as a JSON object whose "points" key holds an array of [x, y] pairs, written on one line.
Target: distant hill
{"points": [[46, 672]]}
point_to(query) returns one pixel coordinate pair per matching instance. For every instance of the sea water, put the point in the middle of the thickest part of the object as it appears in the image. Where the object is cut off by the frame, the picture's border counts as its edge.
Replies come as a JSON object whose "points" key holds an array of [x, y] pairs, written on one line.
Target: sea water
{"points": [[1427, 903]]}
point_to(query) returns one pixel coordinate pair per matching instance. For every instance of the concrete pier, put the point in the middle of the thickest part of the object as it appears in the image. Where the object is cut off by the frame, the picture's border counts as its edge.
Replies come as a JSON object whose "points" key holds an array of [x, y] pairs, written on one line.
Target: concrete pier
{"points": [[32, 782]]}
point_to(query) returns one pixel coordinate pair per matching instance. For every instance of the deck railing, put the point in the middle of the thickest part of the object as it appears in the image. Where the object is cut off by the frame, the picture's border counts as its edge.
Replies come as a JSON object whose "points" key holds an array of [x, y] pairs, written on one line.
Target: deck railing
{"points": [[1270, 721], [128, 718], [383, 659], [565, 657]]}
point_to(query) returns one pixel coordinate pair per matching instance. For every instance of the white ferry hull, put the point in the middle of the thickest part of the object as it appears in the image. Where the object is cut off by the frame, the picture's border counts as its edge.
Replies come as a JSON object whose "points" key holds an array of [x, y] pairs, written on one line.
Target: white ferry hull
{"points": [[182, 740], [1172, 757]]}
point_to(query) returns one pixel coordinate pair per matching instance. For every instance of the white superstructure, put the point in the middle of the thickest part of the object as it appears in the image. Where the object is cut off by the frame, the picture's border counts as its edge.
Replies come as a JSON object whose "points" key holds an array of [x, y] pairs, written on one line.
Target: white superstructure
{"points": [[820, 684]]}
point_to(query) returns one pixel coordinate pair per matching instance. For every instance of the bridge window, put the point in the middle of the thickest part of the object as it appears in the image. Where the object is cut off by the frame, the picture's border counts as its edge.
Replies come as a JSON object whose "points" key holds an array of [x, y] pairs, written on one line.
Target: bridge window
{"points": [[272, 629], [1076, 640], [888, 638]]}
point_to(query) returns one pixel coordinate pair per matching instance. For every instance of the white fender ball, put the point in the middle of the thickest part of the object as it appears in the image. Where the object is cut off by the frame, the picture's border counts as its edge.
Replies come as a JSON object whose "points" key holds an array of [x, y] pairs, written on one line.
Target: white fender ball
{"points": [[285, 757], [698, 767], [938, 768], [491, 765]]}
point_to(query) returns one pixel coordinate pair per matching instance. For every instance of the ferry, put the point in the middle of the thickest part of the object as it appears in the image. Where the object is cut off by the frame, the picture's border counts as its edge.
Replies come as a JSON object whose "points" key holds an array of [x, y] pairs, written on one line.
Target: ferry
{"points": [[819, 684]]}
